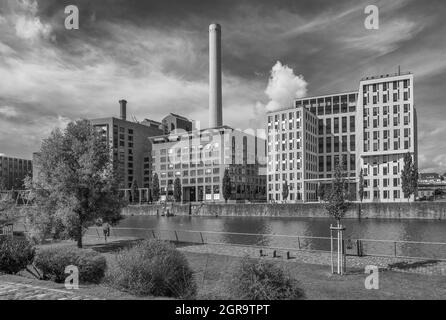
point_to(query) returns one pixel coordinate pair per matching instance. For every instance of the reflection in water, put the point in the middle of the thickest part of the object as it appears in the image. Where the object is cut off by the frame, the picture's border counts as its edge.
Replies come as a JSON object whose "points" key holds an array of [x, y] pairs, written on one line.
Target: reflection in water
{"points": [[408, 230]]}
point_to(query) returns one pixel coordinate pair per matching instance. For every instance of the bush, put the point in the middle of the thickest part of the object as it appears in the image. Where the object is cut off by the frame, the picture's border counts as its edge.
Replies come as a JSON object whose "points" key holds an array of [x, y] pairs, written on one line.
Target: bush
{"points": [[15, 254], [153, 268], [53, 261], [263, 280]]}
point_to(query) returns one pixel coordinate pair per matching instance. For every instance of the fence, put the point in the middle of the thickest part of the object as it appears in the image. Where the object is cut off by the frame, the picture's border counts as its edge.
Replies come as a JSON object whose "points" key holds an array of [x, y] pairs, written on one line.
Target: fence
{"points": [[357, 247], [7, 230]]}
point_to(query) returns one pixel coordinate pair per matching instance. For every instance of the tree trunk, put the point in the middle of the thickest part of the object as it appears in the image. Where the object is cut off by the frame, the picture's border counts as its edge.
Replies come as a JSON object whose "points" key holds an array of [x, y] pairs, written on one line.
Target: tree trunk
{"points": [[79, 235]]}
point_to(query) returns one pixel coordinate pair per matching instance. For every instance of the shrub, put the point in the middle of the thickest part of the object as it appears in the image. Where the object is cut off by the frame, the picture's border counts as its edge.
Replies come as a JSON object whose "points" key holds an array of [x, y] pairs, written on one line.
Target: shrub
{"points": [[153, 268], [263, 280], [53, 261], [15, 254]]}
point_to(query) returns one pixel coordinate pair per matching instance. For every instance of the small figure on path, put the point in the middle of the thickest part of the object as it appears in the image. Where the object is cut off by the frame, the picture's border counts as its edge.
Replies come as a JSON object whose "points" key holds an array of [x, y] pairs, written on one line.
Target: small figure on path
{"points": [[106, 230]]}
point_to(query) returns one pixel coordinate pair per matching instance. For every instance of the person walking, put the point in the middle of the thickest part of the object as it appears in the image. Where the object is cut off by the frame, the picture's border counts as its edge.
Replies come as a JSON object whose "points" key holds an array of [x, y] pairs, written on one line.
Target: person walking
{"points": [[106, 230]]}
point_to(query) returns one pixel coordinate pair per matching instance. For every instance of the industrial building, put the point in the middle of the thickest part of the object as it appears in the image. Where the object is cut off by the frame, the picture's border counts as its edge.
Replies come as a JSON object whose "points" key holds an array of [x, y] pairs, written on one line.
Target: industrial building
{"points": [[13, 171], [131, 149], [369, 129]]}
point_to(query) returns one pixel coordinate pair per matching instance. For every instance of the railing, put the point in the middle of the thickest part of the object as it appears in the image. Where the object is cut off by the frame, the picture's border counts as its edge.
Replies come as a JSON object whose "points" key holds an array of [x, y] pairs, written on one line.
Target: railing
{"points": [[7, 230], [356, 247]]}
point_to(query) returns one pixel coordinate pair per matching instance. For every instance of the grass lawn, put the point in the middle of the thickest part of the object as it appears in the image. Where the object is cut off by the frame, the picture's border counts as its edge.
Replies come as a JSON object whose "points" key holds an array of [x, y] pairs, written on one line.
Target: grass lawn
{"points": [[318, 283]]}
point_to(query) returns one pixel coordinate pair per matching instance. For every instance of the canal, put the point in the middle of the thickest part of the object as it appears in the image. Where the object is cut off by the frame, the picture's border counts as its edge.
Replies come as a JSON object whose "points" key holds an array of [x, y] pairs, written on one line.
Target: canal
{"points": [[260, 232]]}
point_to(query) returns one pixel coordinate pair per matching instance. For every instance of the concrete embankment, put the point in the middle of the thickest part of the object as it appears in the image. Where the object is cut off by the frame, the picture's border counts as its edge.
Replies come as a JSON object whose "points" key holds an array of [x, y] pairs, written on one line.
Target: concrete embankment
{"points": [[401, 210]]}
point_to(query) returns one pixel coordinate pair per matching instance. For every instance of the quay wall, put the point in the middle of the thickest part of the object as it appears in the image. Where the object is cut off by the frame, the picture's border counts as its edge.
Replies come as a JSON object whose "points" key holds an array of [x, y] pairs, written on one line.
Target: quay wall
{"points": [[400, 210]]}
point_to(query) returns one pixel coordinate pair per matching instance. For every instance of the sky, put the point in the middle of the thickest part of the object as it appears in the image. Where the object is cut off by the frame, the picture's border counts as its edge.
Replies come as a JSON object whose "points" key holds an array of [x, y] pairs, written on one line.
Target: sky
{"points": [[154, 54]]}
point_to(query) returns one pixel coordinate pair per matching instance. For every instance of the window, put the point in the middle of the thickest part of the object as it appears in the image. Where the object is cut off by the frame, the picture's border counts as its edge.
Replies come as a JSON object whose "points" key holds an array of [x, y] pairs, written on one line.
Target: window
{"points": [[336, 144], [336, 125], [328, 126], [352, 142], [321, 145], [328, 145], [344, 124], [352, 123]]}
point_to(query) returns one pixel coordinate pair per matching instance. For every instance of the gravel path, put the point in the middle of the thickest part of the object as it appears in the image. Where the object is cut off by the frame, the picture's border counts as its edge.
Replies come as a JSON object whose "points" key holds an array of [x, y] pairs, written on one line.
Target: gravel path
{"points": [[20, 291]]}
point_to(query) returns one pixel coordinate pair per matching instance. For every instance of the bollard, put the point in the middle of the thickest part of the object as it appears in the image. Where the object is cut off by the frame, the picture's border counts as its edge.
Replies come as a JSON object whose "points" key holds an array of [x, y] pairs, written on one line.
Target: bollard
{"points": [[274, 254], [288, 255]]}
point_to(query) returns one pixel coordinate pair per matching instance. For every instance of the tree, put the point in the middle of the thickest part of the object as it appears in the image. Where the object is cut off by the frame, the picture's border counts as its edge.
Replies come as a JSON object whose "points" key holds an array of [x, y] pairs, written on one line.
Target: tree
{"points": [[321, 191], [3, 183], [177, 192], [77, 184], [361, 185], [155, 188], [337, 197], [227, 185], [409, 177], [285, 191], [135, 191], [438, 193]]}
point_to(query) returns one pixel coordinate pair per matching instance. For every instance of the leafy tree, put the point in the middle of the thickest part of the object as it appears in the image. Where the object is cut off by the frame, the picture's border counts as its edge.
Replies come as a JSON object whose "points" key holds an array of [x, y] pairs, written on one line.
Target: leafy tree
{"points": [[177, 192], [285, 191], [227, 185], [321, 191], [7, 211], [438, 193], [155, 188], [77, 185], [409, 177], [3, 183], [135, 191], [337, 198], [361, 185]]}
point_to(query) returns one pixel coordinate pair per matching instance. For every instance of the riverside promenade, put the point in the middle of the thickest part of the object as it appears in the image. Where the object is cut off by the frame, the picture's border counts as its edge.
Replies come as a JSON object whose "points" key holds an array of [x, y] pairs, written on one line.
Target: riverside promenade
{"points": [[354, 263]]}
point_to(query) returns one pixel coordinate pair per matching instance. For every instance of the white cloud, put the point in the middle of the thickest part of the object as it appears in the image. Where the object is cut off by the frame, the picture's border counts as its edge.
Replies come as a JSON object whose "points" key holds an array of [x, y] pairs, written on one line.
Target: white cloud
{"points": [[283, 87], [29, 28], [386, 39], [8, 112]]}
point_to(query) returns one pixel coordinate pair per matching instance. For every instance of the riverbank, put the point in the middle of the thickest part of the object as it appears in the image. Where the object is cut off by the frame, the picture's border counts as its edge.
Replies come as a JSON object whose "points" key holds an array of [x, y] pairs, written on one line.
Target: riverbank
{"points": [[400, 210], [214, 264]]}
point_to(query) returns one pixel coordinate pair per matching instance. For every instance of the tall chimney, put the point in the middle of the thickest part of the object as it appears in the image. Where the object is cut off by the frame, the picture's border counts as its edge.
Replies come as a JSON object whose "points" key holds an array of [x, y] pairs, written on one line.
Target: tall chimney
{"points": [[215, 104], [123, 104]]}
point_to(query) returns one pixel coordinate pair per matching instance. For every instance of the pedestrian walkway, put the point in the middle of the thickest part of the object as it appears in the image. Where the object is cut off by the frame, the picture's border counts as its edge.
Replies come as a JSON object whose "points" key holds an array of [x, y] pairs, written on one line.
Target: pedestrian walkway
{"points": [[20, 291], [429, 267]]}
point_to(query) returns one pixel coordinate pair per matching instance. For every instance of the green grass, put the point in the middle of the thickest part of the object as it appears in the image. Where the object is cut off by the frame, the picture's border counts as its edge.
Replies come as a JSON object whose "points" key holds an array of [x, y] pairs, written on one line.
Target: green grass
{"points": [[316, 280]]}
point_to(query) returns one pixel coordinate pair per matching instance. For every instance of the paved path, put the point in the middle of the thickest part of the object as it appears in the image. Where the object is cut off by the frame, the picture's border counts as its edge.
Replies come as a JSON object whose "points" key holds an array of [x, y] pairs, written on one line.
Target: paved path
{"points": [[20, 291], [429, 267]]}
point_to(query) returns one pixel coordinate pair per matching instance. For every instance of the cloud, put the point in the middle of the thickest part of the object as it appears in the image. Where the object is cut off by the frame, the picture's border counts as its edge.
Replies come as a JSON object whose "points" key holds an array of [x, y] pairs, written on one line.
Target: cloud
{"points": [[283, 87], [29, 28], [8, 112], [23, 15], [386, 39]]}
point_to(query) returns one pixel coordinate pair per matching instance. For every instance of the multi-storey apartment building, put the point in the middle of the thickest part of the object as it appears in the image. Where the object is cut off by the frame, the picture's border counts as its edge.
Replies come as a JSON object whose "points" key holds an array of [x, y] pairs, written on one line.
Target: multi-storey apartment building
{"points": [[13, 171], [369, 129], [199, 158]]}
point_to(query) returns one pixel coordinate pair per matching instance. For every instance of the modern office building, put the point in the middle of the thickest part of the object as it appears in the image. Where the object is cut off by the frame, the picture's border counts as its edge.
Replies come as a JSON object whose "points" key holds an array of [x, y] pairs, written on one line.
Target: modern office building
{"points": [[199, 158], [13, 171], [369, 129]]}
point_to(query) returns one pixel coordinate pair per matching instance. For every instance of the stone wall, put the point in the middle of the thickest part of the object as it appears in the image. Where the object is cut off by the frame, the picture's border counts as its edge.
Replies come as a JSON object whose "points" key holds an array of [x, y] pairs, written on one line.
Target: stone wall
{"points": [[418, 210]]}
